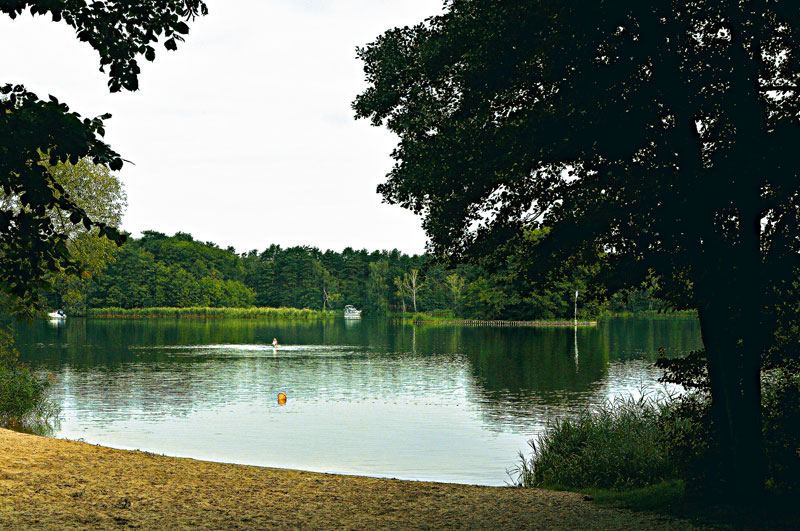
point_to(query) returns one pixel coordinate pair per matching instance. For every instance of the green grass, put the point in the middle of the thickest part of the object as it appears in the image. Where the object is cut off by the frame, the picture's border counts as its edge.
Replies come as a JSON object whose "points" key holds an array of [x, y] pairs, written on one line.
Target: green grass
{"points": [[653, 314], [666, 496], [445, 317], [205, 312], [617, 445], [619, 454], [670, 498], [25, 403]]}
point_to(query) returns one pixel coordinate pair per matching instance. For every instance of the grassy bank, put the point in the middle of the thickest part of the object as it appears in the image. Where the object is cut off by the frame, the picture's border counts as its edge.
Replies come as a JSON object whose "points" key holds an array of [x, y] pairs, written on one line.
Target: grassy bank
{"points": [[204, 312], [620, 444], [671, 499], [447, 318], [642, 454], [677, 314], [25, 402]]}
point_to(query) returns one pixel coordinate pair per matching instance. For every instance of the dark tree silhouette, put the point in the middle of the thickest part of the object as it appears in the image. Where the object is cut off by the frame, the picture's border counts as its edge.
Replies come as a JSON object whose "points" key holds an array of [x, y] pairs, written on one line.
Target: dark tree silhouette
{"points": [[32, 129], [661, 135]]}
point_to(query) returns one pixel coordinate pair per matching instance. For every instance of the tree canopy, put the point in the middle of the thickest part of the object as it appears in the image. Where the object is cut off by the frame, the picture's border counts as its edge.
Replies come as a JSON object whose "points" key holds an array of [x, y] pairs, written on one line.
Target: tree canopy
{"points": [[654, 137], [31, 246], [100, 194]]}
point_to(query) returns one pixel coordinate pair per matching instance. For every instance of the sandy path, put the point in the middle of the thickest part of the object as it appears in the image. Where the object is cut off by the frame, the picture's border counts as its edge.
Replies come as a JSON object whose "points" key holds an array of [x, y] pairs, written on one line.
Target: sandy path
{"points": [[57, 484]]}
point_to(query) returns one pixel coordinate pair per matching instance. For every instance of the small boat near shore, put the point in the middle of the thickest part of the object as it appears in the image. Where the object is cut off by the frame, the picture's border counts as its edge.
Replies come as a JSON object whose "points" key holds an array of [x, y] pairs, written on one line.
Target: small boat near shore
{"points": [[350, 312], [57, 315]]}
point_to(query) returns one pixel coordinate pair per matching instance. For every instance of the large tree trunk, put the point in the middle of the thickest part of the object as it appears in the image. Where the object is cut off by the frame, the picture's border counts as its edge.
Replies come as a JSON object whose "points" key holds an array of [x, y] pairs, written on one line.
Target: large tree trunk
{"points": [[734, 370]]}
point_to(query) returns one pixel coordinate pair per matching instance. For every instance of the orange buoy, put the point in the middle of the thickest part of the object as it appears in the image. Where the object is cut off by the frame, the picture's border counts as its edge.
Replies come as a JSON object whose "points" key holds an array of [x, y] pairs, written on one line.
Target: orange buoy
{"points": [[281, 398]]}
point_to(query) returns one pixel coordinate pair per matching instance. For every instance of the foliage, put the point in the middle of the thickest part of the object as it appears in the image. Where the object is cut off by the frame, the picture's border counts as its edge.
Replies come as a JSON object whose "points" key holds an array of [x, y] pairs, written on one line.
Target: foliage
{"points": [[655, 138], [31, 246], [412, 284], [101, 195], [619, 445], [24, 398], [688, 428], [157, 271], [378, 286], [781, 408], [456, 284], [177, 271], [206, 312], [631, 443]]}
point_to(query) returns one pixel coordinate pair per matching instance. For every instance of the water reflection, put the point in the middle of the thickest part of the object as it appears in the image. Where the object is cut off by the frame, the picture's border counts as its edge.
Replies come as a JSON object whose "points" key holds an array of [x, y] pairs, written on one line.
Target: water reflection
{"points": [[435, 402]]}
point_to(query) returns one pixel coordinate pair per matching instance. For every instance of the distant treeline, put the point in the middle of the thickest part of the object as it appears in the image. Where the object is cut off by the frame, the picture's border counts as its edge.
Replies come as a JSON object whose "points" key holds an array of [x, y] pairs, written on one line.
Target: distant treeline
{"points": [[203, 312], [157, 270]]}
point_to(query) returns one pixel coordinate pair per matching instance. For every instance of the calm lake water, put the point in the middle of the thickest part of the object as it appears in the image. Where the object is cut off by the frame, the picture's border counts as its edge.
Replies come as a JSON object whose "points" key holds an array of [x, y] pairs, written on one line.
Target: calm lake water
{"points": [[440, 403]]}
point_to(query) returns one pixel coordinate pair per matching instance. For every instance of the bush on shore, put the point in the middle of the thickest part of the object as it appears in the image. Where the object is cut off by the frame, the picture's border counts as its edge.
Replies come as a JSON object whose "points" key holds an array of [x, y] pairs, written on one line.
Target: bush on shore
{"points": [[616, 445], [25, 402], [630, 443]]}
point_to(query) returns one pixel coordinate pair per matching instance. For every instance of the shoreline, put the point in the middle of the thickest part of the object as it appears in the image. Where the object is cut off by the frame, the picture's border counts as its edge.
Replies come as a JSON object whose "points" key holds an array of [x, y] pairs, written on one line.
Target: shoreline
{"points": [[503, 323], [61, 484]]}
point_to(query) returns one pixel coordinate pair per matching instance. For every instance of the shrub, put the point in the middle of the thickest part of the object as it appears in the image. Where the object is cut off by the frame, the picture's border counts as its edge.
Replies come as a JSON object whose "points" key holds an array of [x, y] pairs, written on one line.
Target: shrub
{"points": [[781, 428], [25, 403], [616, 445], [687, 426], [632, 443]]}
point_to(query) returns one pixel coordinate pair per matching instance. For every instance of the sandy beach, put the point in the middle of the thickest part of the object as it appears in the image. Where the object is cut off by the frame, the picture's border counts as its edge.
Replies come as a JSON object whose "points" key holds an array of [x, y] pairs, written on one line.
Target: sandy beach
{"points": [[58, 484]]}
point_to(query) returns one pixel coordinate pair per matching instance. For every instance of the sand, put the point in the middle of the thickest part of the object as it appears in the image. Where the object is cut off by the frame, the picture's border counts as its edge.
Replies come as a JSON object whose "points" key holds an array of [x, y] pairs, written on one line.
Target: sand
{"points": [[50, 483]]}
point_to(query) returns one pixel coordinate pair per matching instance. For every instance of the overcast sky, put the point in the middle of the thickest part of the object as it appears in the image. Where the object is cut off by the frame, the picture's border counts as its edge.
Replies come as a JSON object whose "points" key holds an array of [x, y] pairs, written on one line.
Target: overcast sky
{"points": [[245, 135]]}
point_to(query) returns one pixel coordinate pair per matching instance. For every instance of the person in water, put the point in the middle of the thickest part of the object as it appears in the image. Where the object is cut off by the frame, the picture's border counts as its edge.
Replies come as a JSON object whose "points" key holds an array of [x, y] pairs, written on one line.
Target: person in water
{"points": [[275, 342]]}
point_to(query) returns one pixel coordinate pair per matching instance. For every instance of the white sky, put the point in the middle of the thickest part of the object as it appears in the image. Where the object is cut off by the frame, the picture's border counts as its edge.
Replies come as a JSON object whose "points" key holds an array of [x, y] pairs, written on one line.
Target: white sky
{"points": [[245, 135]]}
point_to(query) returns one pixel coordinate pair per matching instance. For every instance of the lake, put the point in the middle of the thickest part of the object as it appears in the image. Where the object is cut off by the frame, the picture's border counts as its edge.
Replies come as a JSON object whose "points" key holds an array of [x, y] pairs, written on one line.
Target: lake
{"points": [[438, 403]]}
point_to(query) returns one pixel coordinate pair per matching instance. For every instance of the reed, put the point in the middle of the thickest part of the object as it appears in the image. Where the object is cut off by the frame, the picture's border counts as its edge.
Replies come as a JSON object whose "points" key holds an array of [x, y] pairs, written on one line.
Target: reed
{"points": [[25, 401], [423, 319], [210, 313], [617, 445], [653, 314]]}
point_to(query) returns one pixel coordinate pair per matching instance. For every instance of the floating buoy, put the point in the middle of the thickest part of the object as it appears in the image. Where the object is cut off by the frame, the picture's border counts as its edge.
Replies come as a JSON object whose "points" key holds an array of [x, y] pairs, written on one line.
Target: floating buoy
{"points": [[281, 398]]}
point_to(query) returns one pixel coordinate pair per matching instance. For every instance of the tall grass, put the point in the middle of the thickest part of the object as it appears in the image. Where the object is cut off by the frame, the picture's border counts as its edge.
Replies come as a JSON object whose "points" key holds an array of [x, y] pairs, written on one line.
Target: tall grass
{"points": [[652, 314], [205, 312], [617, 445], [25, 402], [446, 317]]}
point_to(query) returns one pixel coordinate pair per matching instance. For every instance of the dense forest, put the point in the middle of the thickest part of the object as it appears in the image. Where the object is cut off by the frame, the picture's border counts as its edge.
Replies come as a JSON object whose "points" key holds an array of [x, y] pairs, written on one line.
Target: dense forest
{"points": [[157, 270]]}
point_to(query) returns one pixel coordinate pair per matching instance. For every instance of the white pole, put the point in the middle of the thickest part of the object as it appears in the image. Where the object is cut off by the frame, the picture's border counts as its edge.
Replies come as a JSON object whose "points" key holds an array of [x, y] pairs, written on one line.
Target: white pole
{"points": [[576, 308]]}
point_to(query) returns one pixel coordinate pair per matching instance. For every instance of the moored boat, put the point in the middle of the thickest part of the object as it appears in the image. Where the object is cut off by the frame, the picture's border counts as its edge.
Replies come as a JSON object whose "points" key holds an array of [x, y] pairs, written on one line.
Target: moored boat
{"points": [[350, 312], [57, 315]]}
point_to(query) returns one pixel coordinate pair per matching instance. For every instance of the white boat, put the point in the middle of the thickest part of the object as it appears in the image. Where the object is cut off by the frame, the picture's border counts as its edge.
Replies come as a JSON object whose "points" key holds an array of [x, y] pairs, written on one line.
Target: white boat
{"points": [[350, 312], [57, 315]]}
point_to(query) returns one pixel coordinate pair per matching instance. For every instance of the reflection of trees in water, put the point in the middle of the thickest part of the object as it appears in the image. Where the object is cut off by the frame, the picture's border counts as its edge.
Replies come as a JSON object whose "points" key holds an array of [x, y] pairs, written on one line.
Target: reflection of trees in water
{"points": [[522, 360], [529, 374], [511, 375], [83, 343], [641, 338]]}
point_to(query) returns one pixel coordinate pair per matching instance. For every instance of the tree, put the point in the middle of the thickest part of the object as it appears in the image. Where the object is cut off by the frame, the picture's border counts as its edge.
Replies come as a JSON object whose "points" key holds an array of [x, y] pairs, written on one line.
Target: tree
{"points": [[31, 247], [327, 284], [378, 275], [401, 291], [456, 284], [412, 285], [658, 136], [436, 292], [94, 189]]}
